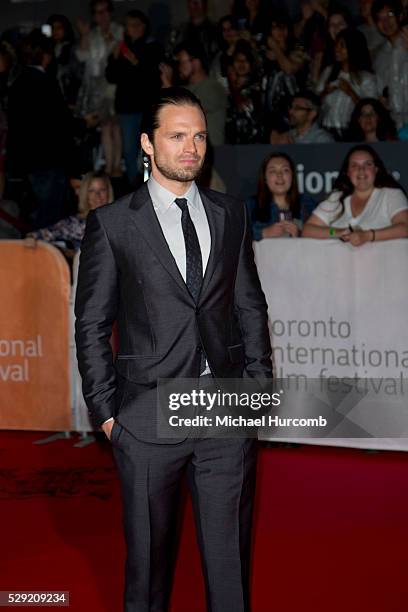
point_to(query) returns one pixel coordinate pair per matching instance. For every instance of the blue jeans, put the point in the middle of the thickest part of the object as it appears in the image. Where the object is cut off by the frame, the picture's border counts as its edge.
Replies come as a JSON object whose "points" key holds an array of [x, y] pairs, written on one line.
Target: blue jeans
{"points": [[130, 127]]}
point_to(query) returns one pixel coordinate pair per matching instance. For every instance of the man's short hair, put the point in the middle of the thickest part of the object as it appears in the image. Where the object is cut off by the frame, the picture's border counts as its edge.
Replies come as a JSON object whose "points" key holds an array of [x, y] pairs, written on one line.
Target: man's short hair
{"points": [[176, 96], [311, 97], [194, 50], [378, 5], [34, 46]]}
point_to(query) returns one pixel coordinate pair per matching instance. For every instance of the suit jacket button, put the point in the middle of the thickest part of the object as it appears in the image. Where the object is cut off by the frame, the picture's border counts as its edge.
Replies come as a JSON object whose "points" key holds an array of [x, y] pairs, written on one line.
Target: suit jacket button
{"points": [[199, 349]]}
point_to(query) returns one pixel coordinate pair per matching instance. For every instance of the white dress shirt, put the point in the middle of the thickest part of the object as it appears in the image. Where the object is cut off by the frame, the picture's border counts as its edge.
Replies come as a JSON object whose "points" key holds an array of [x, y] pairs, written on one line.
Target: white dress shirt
{"points": [[169, 217]]}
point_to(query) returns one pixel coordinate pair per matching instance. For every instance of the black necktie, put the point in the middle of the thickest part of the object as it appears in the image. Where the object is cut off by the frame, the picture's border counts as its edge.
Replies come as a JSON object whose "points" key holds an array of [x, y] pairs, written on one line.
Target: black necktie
{"points": [[194, 262]]}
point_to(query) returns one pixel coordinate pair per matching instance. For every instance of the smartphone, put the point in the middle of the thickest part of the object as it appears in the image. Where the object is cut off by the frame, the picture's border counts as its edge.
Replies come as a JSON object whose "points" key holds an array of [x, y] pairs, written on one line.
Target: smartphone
{"points": [[285, 215], [46, 29], [124, 49]]}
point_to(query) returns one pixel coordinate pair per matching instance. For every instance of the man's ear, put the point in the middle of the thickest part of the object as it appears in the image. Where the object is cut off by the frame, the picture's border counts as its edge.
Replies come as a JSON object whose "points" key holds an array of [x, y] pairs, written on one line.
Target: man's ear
{"points": [[146, 144]]}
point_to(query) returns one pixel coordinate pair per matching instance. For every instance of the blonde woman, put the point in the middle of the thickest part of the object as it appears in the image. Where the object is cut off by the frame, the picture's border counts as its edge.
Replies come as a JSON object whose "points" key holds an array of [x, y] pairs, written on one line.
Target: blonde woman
{"points": [[95, 190]]}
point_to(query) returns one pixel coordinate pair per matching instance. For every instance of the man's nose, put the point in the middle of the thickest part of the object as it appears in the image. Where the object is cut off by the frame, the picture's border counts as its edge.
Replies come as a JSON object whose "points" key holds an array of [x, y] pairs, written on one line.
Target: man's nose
{"points": [[190, 144]]}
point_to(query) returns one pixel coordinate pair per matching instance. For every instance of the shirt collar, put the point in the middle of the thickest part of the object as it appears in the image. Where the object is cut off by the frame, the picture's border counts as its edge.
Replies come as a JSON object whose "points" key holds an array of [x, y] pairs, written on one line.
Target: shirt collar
{"points": [[163, 199]]}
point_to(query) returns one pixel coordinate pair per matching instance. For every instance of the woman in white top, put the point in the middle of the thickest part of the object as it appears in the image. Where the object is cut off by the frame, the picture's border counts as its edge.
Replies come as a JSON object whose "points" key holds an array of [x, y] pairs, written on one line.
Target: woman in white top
{"points": [[343, 84], [367, 203]]}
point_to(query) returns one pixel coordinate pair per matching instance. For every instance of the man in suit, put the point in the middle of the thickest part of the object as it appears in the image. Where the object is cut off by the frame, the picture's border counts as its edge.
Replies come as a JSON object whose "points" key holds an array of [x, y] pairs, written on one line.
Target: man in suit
{"points": [[173, 266]]}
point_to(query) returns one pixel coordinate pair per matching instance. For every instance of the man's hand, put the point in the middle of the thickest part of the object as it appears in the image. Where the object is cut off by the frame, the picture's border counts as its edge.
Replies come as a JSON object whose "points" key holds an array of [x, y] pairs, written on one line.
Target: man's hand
{"points": [[107, 428]]}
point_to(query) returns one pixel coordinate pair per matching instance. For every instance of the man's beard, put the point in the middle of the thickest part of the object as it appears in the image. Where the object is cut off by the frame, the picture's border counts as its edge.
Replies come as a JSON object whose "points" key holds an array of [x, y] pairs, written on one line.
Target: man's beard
{"points": [[184, 175]]}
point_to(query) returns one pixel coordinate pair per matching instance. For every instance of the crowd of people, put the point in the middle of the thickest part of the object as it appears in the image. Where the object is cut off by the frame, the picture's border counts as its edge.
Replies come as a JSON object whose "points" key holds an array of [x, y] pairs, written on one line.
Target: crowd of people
{"points": [[71, 102], [367, 204]]}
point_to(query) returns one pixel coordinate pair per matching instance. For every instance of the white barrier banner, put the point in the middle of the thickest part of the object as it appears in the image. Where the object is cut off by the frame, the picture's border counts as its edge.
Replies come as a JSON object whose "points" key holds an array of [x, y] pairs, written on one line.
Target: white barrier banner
{"points": [[337, 313]]}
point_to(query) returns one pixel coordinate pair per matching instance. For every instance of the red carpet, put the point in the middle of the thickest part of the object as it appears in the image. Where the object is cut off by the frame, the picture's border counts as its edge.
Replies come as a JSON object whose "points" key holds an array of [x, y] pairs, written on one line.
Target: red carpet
{"points": [[331, 529]]}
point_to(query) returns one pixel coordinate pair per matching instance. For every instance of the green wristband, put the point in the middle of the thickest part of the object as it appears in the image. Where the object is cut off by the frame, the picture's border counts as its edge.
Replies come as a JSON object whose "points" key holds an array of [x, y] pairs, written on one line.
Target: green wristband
{"points": [[332, 232]]}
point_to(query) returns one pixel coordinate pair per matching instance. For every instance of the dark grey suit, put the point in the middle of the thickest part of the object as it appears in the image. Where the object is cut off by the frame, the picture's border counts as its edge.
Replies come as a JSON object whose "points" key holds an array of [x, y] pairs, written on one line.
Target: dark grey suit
{"points": [[127, 274]]}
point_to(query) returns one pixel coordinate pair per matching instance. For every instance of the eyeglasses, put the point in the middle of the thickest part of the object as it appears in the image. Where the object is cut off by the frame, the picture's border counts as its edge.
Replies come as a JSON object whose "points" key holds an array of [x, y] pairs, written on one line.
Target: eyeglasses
{"points": [[384, 16], [368, 114]]}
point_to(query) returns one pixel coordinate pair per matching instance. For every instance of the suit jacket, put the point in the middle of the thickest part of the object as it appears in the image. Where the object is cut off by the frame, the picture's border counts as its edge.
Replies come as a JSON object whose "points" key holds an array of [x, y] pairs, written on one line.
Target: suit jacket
{"points": [[127, 274]]}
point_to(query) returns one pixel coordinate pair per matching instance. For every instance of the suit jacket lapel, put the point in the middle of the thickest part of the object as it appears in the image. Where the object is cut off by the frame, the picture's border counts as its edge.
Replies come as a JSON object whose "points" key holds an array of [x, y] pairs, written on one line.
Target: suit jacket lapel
{"points": [[216, 221], [145, 219], [146, 222]]}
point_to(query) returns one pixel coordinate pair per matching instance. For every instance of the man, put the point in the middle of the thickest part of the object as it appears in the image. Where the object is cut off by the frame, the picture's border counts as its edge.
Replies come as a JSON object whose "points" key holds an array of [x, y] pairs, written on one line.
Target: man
{"points": [[173, 266], [193, 74], [199, 29], [303, 118], [374, 39], [391, 62]]}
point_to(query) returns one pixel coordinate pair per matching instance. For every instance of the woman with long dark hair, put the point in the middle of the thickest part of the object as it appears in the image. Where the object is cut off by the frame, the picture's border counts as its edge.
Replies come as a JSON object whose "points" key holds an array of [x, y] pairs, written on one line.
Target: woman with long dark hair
{"points": [[344, 83], [278, 210], [338, 19], [371, 122], [366, 205]]}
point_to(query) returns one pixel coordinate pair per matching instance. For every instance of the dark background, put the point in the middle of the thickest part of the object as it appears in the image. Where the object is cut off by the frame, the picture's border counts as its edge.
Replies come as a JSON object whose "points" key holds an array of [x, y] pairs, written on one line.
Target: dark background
{"points": [[162, 13]]}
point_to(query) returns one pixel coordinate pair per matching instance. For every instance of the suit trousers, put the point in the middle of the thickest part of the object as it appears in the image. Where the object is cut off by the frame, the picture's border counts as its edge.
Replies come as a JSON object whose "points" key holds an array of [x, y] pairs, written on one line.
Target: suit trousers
{"points": [[221, 475]]}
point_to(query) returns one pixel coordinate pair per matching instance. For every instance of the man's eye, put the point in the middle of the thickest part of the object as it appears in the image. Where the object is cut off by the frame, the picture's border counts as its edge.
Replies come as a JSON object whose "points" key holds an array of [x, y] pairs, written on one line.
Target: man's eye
{"points": [[201, 137], [177, 137]]}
